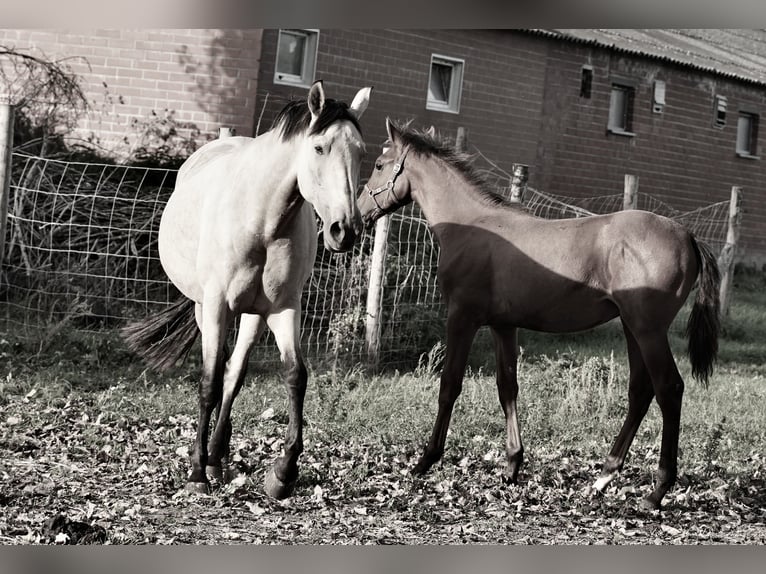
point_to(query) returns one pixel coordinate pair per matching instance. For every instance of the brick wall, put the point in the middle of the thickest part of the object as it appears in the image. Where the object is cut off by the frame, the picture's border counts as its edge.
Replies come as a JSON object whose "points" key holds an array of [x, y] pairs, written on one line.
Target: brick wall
{"points": [[677, 154], [521, 104], [502, 84], [196, 80]]}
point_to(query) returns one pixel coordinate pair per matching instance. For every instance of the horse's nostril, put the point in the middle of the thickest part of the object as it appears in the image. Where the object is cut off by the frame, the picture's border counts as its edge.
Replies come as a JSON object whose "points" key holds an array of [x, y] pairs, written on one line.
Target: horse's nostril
{"points": [[336, 231]]}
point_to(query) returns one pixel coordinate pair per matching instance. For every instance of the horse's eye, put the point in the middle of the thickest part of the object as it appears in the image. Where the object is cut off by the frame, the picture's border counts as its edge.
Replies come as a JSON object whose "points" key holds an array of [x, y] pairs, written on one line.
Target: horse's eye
{"points": [[378, 165], [318, 149]]}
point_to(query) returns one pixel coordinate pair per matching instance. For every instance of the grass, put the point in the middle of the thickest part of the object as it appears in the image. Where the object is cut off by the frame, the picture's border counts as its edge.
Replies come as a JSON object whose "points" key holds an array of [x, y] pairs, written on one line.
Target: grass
{"points": [[86, 395]]}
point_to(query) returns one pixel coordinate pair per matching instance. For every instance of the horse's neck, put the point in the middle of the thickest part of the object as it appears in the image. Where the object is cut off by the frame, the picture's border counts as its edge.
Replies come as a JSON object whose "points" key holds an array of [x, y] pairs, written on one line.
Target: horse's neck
{"points": [[444, 195], [279, 198]]}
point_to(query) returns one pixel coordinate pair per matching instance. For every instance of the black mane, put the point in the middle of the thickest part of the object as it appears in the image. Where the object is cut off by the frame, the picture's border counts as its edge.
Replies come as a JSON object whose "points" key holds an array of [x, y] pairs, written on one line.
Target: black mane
{"points": [[424, 143], [295, 117]]}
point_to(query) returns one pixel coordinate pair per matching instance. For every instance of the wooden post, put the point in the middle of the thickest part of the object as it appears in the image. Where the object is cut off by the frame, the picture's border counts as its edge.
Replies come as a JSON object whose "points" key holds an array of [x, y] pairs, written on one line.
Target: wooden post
{"points": [[6, 147], [372, 325], [460, 139], [726, 259], [519, 180], [630, 197], [225, 132]]}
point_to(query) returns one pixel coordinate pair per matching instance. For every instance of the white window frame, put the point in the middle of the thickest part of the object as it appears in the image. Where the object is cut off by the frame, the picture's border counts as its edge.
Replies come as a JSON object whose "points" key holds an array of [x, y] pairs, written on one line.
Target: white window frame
{"points": [[308, 63], [456, 84], [624, 125], [748, 148]]}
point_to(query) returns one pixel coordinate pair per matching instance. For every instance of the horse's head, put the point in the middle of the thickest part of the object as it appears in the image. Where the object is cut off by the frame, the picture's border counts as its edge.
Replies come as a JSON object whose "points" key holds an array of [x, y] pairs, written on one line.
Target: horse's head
{"points": [[330, 158], [388, 187]]}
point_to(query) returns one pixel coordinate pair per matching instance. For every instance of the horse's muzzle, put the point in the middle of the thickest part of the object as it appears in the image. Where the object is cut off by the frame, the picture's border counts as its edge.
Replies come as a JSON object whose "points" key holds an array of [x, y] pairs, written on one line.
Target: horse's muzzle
{"points": [[341, 237], [370, 218]]}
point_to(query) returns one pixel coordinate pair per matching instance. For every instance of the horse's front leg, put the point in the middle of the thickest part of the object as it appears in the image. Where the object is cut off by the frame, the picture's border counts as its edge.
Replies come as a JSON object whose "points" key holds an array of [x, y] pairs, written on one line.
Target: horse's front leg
{"points": [[285, 325], [251, 328], [212, 318], [461, 330]]}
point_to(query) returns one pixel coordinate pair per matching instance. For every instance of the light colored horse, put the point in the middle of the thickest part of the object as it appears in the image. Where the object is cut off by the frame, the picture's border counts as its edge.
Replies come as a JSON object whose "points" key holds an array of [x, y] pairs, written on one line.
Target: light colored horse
{"points": [[502, 267], [238, 237]]}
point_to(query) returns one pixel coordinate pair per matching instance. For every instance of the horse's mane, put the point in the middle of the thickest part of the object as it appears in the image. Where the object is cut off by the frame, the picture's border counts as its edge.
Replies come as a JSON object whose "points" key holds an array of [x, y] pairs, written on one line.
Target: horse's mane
{"points": [[295, 117], [423, 143]]}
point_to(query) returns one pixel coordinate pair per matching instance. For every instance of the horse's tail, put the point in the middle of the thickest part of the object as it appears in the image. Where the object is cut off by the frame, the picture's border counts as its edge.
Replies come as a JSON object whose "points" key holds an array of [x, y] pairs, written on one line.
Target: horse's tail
{"points": [[165, 337], [704, 320]]}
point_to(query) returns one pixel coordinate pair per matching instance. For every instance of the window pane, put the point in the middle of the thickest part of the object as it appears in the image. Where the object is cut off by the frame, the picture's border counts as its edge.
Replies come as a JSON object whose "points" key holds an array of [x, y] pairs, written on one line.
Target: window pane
{"points": [[586, 79], [720, 111], [617, 104], [441, 78], [743, 134], [290, 54]]}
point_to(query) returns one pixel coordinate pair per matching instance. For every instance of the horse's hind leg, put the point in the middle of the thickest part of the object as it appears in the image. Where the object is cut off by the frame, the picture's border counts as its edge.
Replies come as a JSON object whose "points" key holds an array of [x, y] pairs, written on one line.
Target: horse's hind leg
{"points": [[668, 389], [640, 394], [508, 389], [460, 334], [251, 328], [213, 319], [285, 325]]}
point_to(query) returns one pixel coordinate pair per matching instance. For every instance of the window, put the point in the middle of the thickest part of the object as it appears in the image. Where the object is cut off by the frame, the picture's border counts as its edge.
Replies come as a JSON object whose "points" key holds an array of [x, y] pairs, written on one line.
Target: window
{"points": [[621, 109], [719, 112], [445, 83], [658, 103], [296, 57], [747, 135], [586, 81]]}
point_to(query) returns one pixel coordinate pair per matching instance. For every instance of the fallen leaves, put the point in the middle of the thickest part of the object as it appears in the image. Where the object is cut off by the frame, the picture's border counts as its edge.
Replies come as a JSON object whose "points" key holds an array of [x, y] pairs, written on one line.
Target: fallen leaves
{"points": [[101, 467]]}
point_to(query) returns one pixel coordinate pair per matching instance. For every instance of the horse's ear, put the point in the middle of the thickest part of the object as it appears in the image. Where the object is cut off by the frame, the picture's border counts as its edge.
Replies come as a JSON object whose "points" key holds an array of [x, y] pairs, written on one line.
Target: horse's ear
{"points": [[361, 101], [316, 99], [431, 132], [393, 132]]}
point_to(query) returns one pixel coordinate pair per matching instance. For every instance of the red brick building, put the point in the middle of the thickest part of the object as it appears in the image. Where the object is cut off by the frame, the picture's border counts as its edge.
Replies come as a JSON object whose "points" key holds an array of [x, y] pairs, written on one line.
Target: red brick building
{"points": [[680, 109]]}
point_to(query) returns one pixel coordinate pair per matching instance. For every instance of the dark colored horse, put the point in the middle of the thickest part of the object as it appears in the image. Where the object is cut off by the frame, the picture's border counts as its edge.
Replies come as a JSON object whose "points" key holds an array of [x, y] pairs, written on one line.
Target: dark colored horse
{"points": [[238, 237], [502, 267]]}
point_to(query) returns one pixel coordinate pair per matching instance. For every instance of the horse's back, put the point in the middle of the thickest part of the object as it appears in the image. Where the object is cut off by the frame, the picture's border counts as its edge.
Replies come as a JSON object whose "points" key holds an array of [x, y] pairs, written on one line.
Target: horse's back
{"points": [[566, 275], [209, 154]]}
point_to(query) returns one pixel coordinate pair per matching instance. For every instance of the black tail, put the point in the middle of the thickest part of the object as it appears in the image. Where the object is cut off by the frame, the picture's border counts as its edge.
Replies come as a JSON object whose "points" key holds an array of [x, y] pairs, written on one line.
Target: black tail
{"points": [[704, 320], [166, 337]]}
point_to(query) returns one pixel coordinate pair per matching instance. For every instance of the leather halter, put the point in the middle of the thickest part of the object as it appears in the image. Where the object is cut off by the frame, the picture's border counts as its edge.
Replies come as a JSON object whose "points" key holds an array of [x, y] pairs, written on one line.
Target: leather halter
{"points": [[389, 185]]}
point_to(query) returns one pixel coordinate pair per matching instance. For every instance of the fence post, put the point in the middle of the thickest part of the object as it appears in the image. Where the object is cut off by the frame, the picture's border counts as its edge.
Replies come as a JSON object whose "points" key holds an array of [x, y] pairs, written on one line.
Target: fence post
{"points": [[726, 258], [630, 194], [225, 132], [519, 179], [460, 139], [6, 147], [373, 323]]}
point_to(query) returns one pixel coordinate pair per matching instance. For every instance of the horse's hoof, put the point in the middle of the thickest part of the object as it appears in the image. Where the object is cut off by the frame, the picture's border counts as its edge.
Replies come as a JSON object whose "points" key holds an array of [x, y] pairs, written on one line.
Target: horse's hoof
{"points": [[420, 468], [275, 488], [648, 503], [510, 474], [198, 487], [214, 472], [508, 479], [603, 481], [229, 474]]}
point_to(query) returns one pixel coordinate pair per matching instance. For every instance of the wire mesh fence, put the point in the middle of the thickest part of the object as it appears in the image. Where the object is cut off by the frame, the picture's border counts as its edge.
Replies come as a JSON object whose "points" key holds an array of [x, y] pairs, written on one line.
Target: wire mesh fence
{"points": [[81, 253]]}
